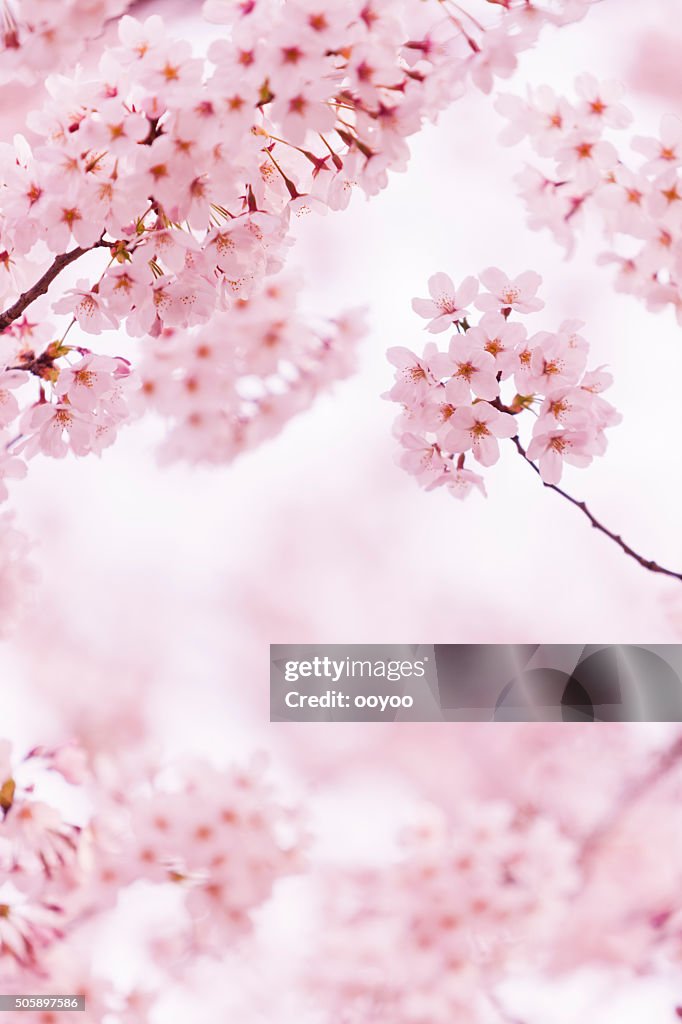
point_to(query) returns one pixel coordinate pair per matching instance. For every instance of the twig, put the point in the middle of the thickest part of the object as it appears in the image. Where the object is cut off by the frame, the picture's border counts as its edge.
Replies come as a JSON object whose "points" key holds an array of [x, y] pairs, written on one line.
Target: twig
{"points": [[501, 1009], [646, 563], [42, 284], [666, 761]]}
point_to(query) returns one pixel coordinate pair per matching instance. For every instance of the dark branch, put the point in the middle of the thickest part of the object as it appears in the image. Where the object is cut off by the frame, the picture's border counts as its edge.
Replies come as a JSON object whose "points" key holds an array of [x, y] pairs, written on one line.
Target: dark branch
{"points": [[41, 286], [644, 562]]}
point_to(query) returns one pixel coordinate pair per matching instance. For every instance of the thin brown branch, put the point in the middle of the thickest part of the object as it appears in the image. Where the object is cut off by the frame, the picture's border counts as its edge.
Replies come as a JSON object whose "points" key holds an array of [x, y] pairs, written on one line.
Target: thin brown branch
{"points": [[663, 765], [646, 563], [42, 284]]}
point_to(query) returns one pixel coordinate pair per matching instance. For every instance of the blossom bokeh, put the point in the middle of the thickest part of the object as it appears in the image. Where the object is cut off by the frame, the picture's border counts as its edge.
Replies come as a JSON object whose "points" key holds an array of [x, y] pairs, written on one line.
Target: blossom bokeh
{"points": [[167, 849]]}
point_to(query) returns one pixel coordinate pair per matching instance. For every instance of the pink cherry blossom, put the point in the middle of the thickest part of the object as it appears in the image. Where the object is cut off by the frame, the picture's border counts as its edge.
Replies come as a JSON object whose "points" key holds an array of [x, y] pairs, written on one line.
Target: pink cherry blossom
{"points": [[500, 339], [459, 482], [56, 429], [471, 371], [421, 458], [518, 293], [11, 467], [460, 401], [555, 447], [447, 304], [89, 380], [664, 152], [636, 199], [478, 427], [414, 375], [87, 308], [126, 166], [10, 380], [555, 362], [601, 100]]}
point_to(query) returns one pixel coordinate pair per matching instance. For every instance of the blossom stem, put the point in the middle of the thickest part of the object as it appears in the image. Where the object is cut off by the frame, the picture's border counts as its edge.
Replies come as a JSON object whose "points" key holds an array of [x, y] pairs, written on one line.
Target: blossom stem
{"points": [[646, 563], [501, 1009], [42, 284], [666, 761]]}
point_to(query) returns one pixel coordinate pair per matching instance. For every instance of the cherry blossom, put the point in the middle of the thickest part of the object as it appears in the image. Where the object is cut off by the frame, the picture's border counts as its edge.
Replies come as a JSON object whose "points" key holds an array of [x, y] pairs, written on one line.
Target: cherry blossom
{"points": [[591, 169], [478, 427], [469, 369], [504, 293], [37, 37], [11, 467], [10, 380], [466, 902], [447, 304], [415, 376], [88, 381], [91, 316], [459, 403], [219, 838], [558, 446], [500, 339], [180, 238], [453, 405], [459, 482]]}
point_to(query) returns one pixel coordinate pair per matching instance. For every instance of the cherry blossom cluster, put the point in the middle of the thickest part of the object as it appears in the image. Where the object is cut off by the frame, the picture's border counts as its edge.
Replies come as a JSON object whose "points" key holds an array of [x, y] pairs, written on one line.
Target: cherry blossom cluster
{"points": [[631, 184], [522, 884], [228, 386], [452, 401], [128, 169], [37, 35], [469, 900], [55, 398], [218, 838]]}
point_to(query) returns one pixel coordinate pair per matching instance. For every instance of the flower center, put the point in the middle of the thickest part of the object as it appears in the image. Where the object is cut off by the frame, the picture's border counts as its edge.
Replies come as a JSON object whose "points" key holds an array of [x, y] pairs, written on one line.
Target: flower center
{"points": [[85, 378], [416, 373], [558, 407], [466, 370]]}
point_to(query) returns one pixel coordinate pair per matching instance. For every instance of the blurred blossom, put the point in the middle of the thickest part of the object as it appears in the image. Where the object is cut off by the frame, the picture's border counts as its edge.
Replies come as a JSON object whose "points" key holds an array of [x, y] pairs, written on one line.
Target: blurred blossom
{"points": [[164, 849]]}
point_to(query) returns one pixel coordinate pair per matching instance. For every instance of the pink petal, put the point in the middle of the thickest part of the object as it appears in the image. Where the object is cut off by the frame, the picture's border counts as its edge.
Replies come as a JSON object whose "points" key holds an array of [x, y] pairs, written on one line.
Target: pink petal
{"points": [[487, 451], [441, 286], [425, 308], [484, 385], [494, 279], [467, 292], [529, 281], [458, 440], [504, 425], [551, 466], [463, 418], [400, 357]]}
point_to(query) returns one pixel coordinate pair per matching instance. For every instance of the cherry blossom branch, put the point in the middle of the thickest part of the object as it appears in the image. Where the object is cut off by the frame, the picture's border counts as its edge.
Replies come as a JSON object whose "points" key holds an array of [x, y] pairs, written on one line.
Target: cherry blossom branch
{"points": [[42, 284], [666, 761], [501, 1009], [452, 401], [644, 562]]}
